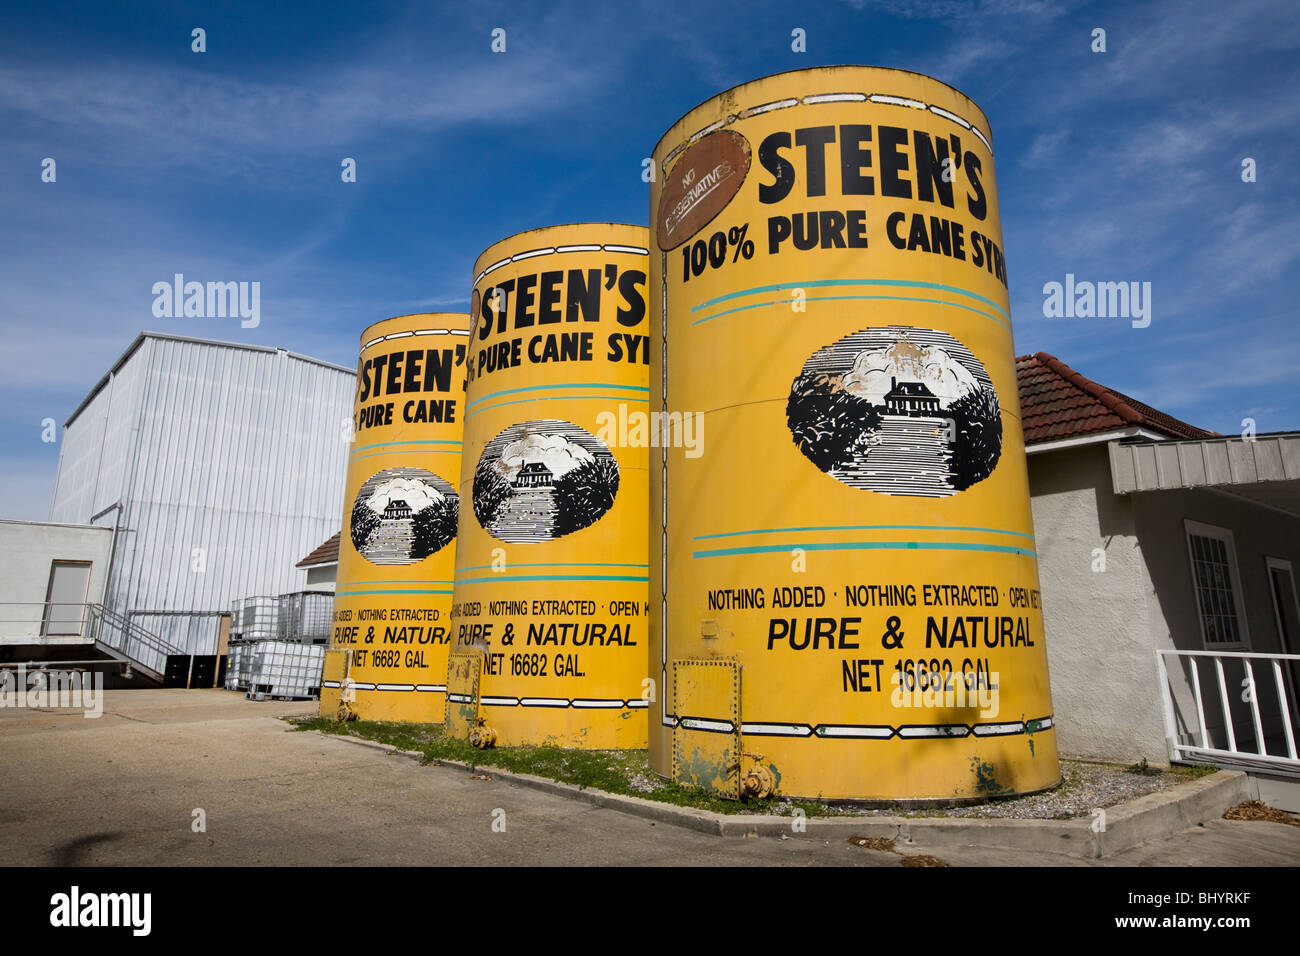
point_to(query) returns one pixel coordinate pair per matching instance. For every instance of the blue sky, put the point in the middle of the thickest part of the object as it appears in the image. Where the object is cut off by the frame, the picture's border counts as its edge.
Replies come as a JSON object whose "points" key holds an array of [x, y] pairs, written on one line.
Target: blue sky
{"points": [[1124, 165]]}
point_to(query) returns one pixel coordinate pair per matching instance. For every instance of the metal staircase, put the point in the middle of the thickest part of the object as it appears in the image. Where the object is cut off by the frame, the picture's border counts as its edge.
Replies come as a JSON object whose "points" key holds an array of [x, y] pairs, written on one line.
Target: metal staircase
{"points": [[123, 639]]}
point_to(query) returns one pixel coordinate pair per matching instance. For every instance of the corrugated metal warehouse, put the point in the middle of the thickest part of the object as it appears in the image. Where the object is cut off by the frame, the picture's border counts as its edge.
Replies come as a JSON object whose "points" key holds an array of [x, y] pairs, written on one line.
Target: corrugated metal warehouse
{"points": [[220, 465]]}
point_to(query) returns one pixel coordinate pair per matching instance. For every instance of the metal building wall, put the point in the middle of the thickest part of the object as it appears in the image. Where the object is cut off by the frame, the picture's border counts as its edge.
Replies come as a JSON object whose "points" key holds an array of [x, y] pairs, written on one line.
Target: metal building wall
{"points": [[96, 443], [229, 461]]}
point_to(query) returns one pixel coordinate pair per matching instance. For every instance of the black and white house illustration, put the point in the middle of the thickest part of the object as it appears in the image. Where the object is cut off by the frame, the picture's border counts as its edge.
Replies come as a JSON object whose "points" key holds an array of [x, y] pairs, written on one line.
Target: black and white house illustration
{"points": [[403, 515], [910, 398], [534, 474], [897, 410], [540, 480], [397, 508]]}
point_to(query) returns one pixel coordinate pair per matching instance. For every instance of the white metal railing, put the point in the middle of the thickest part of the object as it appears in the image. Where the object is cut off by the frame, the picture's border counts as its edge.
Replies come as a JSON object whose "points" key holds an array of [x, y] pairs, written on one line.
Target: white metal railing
{"points": [[1202, 724], [37, 622], [118, 633]]}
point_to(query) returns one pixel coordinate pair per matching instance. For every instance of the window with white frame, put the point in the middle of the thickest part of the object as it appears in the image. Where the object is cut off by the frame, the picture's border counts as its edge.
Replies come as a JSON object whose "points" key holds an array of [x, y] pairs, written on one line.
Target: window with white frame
{"points": [[1217, 585]]}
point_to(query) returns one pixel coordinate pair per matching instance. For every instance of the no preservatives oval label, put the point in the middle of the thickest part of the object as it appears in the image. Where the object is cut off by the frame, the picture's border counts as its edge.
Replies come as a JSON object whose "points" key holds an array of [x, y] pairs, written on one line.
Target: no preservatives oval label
{"points": [[701, 183]]}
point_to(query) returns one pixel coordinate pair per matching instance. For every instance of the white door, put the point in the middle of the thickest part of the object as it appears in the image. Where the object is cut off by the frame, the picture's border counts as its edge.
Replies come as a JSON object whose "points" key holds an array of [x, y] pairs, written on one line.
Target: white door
{"points": [[1286, 611], [65, 598]]}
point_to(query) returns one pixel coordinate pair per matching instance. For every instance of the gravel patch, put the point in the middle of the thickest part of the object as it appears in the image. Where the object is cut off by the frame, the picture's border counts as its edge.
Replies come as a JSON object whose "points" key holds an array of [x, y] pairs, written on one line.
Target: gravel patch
{"points": [[1084, 787], [643, 784]]}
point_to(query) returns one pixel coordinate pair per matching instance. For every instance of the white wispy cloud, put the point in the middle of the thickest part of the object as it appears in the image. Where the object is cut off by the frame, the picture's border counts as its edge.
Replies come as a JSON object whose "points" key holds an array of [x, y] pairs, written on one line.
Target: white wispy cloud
{"points": [[142, 112], [1045, 149]]}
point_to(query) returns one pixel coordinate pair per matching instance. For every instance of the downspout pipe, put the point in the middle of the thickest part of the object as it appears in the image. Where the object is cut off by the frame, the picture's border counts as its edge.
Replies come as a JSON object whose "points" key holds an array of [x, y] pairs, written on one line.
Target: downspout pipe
{"points": [[112, 548]]}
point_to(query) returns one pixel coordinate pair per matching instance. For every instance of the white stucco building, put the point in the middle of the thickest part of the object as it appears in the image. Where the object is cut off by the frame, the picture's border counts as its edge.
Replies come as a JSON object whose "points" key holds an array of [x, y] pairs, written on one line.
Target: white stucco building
{"points": [[1162, 546]]}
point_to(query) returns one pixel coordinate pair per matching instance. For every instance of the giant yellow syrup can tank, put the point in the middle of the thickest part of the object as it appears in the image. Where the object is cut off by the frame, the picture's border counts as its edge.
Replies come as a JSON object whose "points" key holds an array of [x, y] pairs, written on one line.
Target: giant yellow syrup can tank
{"points": [[551, 609], [392, 603], [844, 588]]}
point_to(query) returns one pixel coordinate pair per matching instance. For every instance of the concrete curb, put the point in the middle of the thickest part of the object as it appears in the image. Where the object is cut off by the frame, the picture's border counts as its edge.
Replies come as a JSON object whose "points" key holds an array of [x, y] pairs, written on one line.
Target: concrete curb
{"points": [[1151, 817], [1170, 811]]}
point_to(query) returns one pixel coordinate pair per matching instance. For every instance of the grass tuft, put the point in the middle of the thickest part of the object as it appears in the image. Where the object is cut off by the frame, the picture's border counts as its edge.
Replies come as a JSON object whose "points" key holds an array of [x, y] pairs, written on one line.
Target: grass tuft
{"points": [[624, 772]]}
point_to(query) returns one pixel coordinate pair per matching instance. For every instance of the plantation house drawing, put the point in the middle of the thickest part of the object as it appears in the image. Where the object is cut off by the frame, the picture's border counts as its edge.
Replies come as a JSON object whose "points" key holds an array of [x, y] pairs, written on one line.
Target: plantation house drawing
{"points": [[910, 398], [534, 474]]}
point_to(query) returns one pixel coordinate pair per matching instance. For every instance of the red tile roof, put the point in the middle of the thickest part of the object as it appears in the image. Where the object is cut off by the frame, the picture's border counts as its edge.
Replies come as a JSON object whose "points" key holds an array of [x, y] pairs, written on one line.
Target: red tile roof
{"points": [[327, 553], [1057, 402]]}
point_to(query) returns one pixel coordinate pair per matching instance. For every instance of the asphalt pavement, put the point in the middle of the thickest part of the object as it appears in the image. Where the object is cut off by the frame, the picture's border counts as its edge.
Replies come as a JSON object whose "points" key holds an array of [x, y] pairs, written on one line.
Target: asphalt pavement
{"points": [[193, 777]]}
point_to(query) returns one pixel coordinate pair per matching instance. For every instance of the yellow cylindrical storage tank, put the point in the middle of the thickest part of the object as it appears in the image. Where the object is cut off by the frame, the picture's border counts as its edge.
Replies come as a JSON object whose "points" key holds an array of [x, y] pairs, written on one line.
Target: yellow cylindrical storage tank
{"points": [[397, 549], [844, 592], [552, 580]]}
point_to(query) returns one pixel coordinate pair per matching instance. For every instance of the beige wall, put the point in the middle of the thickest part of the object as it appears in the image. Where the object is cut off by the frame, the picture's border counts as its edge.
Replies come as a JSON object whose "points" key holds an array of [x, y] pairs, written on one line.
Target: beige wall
{"points": [[1099, 648]]}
